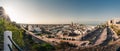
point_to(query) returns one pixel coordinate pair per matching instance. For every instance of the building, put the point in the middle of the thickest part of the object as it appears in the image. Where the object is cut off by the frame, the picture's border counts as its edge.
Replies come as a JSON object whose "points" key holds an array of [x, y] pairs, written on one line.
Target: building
{"points": [[30, 28], [115, 22]]}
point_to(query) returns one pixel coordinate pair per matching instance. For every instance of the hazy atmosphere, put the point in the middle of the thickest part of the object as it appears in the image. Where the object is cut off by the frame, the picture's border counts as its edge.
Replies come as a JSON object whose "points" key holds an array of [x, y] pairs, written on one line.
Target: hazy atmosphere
{"points": [[61, 11], [59, 25]]}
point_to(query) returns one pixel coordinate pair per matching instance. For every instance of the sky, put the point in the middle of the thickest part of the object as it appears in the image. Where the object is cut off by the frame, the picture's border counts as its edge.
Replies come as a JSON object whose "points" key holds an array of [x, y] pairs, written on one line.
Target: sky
{"points": [[61, 11]]}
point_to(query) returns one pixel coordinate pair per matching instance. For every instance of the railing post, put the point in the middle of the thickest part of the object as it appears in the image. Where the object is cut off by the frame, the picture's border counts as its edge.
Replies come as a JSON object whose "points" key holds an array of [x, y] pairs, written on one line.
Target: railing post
{"points": [[7, 42]]}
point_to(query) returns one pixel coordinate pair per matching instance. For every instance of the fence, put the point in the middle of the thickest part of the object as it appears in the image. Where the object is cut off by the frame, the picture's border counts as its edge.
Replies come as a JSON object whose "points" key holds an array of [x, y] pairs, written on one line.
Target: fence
{"points": [[9, 42]]}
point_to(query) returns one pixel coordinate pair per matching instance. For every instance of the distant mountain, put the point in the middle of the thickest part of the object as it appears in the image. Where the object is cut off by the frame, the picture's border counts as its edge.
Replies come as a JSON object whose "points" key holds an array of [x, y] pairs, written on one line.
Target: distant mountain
{"points": [[3, 14]]}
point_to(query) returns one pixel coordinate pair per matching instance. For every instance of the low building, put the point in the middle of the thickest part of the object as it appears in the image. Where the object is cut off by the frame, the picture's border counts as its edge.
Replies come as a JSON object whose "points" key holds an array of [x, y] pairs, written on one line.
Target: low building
{"points": [[115, 22], [30, 28]]}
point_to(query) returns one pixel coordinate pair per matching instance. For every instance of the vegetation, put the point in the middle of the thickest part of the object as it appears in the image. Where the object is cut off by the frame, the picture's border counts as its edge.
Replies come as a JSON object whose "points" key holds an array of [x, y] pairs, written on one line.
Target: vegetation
{"points": [[16, 32], [65, 45], [43, 47], [31, 45], [115, 28], [99, 48], [18, 36], [112, 47]]}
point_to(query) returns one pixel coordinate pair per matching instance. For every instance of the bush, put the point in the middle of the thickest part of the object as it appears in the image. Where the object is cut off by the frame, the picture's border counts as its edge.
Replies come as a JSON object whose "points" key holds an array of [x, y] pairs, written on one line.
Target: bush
{"points": [[16, 32]]}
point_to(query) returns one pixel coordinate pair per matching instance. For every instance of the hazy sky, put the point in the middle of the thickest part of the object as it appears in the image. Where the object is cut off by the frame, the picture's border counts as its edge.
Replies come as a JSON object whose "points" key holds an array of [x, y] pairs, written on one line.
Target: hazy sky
{"points": [[61, 11]]}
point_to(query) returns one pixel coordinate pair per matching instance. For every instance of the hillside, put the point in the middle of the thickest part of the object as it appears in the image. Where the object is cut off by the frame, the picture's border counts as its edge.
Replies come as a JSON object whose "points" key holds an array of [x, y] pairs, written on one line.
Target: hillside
{"points": [[6, 24]]}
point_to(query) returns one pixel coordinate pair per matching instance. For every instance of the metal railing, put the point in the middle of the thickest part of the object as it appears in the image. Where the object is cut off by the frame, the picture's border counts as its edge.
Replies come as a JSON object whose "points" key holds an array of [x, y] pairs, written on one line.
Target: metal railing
{"points": [[14, 44], [9, 42], [10, 47]]}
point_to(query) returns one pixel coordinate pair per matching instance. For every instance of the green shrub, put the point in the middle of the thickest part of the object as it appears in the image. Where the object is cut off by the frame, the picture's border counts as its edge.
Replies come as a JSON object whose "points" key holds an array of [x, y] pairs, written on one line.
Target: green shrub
{"points": [[16, 32]]}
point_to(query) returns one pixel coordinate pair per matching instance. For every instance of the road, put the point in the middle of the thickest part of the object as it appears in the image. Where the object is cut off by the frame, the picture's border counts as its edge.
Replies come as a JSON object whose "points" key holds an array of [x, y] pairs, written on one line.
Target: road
{"points": [[93, 35], [101, 38], [109, 37], [52, 41]]}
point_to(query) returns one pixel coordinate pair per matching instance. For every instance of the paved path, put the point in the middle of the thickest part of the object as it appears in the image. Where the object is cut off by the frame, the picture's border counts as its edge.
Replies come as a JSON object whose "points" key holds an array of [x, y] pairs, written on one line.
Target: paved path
{"points": [[102, 37], [91, 36]]}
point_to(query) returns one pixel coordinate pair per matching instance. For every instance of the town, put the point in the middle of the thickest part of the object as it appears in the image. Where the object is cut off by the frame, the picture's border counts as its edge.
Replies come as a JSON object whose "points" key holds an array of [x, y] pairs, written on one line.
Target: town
{"points": [[77, 34], [59, 25]]}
